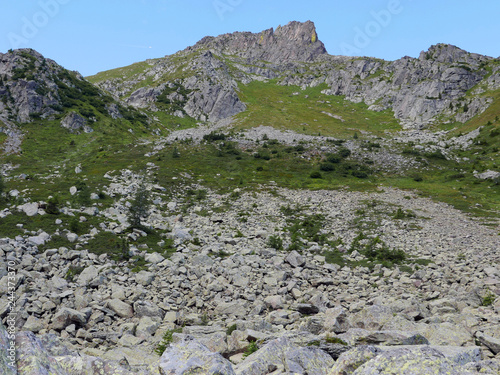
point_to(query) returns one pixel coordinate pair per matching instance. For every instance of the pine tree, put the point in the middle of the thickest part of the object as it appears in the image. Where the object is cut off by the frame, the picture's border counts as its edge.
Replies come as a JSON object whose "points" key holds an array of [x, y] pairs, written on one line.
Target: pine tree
{"points": [[139, 208]]}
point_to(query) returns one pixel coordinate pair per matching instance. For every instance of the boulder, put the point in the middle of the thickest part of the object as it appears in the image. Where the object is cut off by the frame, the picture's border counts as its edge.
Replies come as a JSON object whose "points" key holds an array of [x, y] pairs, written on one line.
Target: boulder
{"points": [[65, 316], [189, 356], [309, 360], [233, 309], [267, 359], [87, 275], [122, 309], [295, 259]]}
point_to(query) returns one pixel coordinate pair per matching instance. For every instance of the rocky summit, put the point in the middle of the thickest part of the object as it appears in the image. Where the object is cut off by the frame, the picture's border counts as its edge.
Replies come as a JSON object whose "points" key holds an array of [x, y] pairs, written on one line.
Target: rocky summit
{"points": [[251, 205]]}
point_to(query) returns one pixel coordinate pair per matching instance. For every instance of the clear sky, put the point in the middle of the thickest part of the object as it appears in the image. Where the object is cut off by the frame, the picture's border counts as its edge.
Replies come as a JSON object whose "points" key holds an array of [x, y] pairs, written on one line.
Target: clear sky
{"points": [[95, 35]]}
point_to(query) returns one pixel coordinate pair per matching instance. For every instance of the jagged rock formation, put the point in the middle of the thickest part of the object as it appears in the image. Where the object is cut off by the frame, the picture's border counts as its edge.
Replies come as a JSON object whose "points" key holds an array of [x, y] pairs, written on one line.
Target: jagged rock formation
{"points": [[33, 87], [295, 41], [418, 90]]}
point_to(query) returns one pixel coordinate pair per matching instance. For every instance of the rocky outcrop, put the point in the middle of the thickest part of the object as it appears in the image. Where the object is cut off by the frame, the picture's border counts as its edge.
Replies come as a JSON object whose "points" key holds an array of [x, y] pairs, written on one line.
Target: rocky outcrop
{"points": [[74, 122], [295, 41], [33, 87]]}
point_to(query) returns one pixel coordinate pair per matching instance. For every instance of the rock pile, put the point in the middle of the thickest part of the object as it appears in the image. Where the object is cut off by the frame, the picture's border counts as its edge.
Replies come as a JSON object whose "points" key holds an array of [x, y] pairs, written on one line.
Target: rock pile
{"points": [[228, 288]]}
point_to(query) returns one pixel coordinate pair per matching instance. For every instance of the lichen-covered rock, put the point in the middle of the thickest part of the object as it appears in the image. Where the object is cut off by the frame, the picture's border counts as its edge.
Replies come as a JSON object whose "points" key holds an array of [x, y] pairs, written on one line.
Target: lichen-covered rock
{"points": [[88, 365], [190, 357], [6, 366], [33, 358], [407, 360], [415, 361], [349, 361], [308, 361], [271, 355]]}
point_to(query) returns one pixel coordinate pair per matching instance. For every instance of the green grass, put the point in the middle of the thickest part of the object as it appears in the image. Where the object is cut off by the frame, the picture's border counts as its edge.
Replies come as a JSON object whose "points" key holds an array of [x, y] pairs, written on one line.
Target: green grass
{"points": [[125, 73], [225, 170], [273, 105]]}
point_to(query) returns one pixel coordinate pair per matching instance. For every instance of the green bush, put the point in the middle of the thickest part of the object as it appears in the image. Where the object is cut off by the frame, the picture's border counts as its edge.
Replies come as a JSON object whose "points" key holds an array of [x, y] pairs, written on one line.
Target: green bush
{"points": [[275, 242], [109, 243], [333, 158], [139, 207], [488, 299], [251, 348], [53, 206], [435, 155], [359, 174], [214, 136], [315, 174], [344, 152], [231, 329], [327, 167], [166, 341]]}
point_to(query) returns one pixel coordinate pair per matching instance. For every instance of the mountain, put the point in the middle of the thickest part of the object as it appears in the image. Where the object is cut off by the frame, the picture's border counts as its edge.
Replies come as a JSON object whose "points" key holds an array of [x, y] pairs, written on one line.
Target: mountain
{"points": [[204, 81], [251, 204]]}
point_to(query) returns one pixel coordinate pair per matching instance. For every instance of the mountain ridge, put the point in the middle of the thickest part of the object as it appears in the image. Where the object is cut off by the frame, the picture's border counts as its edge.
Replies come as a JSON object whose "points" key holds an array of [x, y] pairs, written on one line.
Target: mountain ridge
{"points": [[402, 85]]}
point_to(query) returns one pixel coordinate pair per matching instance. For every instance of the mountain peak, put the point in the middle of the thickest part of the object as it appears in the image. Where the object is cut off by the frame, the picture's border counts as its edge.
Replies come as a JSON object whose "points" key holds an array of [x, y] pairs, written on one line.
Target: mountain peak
{"points": [[296, 41], [447, 53]]}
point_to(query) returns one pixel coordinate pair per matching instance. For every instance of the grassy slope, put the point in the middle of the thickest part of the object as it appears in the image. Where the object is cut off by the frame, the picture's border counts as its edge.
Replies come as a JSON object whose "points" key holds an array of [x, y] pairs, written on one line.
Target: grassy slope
{"points": [[274, 105]]}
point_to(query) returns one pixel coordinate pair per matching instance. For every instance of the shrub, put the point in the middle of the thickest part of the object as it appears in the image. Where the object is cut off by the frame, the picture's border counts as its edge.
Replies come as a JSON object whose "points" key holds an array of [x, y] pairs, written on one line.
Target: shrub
{"points": [[72, 272], [333, 158], [166, 341], [275, 242], [53, 206], [109, 243], [435, 155], [335, 340], [488, 299], [213, 136], [231, 329], [175, 153], [315, 174], [251, 348], [327, 167], [344, 152], [139, 208], [359, 174]]}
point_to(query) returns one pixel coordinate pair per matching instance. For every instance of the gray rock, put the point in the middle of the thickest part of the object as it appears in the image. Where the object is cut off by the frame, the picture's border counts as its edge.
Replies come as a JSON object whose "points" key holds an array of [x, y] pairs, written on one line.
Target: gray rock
{"points": [[491, 342], [30, 209], [7, 358], [295, 259], [33, 324], [308, 361], [270, 356], [274, 302], [87, 275], [189, 356], [415, 361], [233, 309], [144, 278], [122, 309], [65, 316], [33, 358], [74, 122], [146, 308]]}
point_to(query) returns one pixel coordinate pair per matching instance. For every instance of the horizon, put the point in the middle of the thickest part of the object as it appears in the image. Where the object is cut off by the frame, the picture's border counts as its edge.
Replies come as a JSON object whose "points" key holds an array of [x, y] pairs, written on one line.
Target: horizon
{"points": [[80, 38]]}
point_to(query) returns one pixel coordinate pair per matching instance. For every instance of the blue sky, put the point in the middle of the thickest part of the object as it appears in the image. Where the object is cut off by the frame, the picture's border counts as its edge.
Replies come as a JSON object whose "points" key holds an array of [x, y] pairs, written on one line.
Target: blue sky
{"points": [[96, 35]]}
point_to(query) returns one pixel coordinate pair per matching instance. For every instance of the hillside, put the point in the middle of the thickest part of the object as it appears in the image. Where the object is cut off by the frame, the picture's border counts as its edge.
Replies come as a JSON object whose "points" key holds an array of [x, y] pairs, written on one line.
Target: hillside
{"points": [[255, 204]]}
